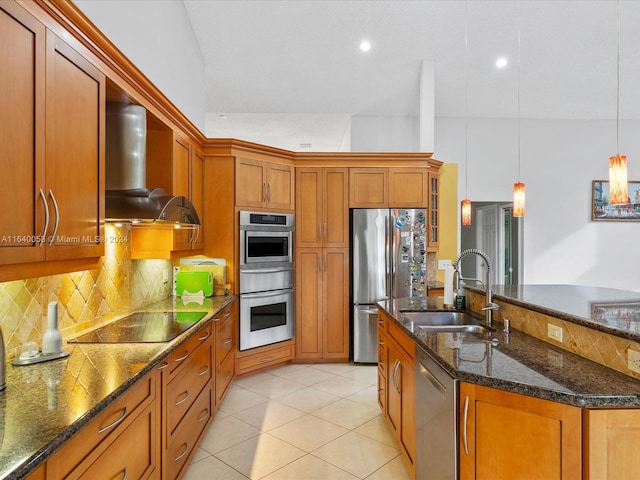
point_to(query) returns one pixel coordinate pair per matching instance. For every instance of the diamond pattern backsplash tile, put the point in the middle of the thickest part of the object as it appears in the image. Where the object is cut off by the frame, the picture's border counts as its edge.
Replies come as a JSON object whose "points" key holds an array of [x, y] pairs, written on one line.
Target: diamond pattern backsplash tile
{"points": [[84, 298]]}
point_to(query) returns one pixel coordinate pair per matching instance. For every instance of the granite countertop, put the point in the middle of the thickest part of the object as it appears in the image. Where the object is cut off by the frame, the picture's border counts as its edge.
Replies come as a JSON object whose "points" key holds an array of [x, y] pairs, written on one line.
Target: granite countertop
{"points": [[45, 404], [519, 363], [608, 310]]}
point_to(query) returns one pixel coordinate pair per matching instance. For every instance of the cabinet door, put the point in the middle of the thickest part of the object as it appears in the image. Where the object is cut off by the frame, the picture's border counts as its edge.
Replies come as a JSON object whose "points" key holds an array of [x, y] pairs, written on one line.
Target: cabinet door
{"points": [[506, 435], [335, 188], [309, 215], [309, 300], [280, 186], [180, 180], [22, 76], [408, 407], [197, 196], [368, 188], [394, 389], [335, 303], [433, 238], [251, 183], [75, 114], [408, 187]]}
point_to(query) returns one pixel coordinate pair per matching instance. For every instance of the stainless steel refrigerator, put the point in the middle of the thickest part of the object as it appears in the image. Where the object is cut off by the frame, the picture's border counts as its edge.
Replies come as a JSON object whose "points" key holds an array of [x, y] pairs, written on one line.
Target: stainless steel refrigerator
{"points": [[388, 248]]}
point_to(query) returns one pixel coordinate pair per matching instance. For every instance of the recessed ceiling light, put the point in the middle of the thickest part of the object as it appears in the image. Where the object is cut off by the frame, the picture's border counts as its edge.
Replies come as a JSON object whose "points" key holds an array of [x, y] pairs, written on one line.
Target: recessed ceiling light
{"points": [[501, 62], [365, 46]]}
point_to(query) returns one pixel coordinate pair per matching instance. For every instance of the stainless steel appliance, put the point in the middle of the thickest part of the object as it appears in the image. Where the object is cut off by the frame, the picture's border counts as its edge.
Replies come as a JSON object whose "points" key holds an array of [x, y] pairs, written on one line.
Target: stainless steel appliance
{"points": [[436, 420], [388, 260], [267, 278]]}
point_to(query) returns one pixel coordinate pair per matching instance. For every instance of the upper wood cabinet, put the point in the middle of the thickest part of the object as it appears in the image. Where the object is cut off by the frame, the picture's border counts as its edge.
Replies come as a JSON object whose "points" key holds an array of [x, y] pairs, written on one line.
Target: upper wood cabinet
{"points": [[55, 140], [262, 184], [433, 214], [507, 435], [322, 207], [380, 187]]}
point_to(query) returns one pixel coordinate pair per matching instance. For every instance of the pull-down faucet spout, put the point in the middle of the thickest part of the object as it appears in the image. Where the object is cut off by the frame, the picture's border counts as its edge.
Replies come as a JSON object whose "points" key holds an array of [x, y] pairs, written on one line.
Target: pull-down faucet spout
{"points": [[490, 306]]}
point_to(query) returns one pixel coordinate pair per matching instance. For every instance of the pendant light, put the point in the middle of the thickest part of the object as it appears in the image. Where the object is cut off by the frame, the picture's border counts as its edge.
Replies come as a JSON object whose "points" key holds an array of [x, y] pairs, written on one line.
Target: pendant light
{"points": [[518, 187], [618, 187], [465, 206]]}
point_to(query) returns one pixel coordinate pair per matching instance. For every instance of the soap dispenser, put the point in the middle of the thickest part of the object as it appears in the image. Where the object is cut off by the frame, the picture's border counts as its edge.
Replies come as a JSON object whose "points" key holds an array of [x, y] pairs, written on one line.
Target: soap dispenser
{"points": [[52, 340]]}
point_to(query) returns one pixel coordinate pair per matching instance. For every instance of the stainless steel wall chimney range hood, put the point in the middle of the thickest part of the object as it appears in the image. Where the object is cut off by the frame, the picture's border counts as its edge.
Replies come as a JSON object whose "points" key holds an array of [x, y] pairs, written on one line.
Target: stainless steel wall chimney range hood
{"points": [[127, 198]]}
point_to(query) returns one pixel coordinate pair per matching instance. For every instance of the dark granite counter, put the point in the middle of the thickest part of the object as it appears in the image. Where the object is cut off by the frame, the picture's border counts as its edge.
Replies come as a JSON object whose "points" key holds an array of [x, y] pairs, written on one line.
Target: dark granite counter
{"points": [[608, 310], [518, 362], [45, 404]]}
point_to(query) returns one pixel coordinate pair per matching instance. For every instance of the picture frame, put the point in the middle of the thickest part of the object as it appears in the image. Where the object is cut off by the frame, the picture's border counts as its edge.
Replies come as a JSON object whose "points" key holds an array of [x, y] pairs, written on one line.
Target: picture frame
{"points": [[601, 210]]}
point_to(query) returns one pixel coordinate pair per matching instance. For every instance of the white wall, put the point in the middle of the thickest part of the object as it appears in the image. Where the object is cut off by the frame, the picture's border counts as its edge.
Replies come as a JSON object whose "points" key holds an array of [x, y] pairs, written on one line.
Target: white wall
{"points": [[385, 134], [160, 42], [559, 159]]}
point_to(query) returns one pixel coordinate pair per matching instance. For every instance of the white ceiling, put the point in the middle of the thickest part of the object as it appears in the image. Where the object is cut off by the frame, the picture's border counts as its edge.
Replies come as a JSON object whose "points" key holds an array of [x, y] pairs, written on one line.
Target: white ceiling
{"points": [[299, 59]]}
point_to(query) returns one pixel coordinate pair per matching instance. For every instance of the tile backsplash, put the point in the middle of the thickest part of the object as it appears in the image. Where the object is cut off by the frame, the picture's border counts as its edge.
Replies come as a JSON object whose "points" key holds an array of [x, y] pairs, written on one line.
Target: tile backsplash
{"points": [[84, 298]]}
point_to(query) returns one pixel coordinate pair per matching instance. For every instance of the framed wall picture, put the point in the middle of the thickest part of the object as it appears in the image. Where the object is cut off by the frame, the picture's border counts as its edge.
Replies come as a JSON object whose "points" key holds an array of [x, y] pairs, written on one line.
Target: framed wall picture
{"points": [[601, 210]]}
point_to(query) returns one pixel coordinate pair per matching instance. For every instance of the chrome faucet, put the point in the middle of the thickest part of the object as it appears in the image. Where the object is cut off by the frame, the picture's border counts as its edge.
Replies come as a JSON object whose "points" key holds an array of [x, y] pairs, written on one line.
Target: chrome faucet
{"points": [[490, 306]]}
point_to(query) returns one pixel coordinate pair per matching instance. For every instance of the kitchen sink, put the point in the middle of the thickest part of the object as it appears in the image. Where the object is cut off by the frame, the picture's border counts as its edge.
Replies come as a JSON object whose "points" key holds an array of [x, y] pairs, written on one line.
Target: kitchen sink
{"points": [[445, 322]]}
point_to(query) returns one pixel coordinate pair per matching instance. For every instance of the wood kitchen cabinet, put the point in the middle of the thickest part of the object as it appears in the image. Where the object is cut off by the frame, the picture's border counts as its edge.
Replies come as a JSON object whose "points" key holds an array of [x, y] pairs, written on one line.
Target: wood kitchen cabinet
{"points": [[380, 187], [433, 213], [55, 141], [124, 440], [188, 400], [507, 435], [322, 207], [226, 345], [263, 184], [322, 304], [396, 379]]}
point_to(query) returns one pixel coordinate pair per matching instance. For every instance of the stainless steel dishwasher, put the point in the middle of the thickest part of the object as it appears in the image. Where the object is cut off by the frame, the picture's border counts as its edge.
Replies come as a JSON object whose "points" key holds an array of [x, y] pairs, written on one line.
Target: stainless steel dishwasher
{"points": [[436, 420]]}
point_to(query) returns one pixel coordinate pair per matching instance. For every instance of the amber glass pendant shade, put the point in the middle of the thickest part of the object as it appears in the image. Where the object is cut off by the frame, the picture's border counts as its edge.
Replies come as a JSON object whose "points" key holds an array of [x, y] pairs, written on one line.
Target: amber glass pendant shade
{"points": [[518, 199], [466, 212], [618, 187]]}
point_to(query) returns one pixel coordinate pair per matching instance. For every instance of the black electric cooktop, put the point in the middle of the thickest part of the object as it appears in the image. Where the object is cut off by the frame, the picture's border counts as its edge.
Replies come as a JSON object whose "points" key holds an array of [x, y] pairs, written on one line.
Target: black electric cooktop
{"points": [[142, 327]]}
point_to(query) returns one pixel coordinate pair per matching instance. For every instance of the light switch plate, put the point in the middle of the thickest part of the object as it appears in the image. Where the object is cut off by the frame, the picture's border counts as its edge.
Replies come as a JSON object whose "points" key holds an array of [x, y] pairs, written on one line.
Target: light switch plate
{"points": [[633, 360], [554, 332], [442, 264]]}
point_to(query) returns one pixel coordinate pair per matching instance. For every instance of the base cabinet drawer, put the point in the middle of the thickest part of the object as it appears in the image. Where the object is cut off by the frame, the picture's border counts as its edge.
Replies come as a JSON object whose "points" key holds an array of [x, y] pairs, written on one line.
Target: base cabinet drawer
{"points": [[184, 439], [264, 358], [117, 461]]}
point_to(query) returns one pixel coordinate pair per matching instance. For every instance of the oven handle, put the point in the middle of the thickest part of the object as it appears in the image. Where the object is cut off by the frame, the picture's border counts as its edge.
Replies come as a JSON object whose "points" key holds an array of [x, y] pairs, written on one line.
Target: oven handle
{"points": [[270, 293], [268, 270]]}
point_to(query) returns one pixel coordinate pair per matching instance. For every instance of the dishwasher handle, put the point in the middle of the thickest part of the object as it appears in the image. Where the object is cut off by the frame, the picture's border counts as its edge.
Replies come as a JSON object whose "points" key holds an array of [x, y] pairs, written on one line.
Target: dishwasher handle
{"points": [[433, 380]]}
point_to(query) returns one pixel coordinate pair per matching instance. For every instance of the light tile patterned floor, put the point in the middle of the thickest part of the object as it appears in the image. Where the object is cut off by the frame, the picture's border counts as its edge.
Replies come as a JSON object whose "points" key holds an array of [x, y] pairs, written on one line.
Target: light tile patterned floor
{"points": [[300, 422]]}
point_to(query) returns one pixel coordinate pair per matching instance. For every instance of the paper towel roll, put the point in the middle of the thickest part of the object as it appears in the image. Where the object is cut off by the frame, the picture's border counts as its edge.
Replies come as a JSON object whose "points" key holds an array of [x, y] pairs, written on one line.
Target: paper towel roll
{"points": [[448, 286]]}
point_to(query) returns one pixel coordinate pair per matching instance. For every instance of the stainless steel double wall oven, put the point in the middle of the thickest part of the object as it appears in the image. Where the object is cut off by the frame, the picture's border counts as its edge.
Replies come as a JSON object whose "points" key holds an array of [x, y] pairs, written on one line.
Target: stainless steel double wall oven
{"points": [[267, 278]]}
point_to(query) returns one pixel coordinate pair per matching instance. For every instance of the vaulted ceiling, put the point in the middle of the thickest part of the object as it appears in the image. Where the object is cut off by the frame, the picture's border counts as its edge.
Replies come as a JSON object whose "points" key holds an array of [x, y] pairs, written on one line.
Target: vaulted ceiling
{"points": [[267, 60]]}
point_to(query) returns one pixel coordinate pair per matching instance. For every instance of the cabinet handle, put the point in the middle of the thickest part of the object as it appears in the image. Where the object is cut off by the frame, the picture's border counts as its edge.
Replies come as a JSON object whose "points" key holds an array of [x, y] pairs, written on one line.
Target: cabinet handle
{"points": [[381, 344], [202, 339], [184, 452], [203, 371], [464, 428], [118, 421], [320, 232], [319, 262], [55, 207], [205, 415], [268, 191], [227, 341], [163, 365], [266, 359], [264, 191], [178, 360], [326, 234], [227, 376], [226, 315], [396, 365], [46, 218], [180, 402], [124, 473]]}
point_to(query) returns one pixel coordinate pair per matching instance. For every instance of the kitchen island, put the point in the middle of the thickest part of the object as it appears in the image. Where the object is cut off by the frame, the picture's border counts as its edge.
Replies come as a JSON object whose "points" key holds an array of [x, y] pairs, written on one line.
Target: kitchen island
{"points": [[46, 404]]}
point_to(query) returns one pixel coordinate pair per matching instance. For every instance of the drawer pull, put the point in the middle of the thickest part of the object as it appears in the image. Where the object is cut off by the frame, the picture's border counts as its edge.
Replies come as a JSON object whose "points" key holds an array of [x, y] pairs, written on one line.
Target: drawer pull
{"points": [[186, 395], [267, 359], [205, 415], [227, 341], [227, 376], [163, 365], [227, 315], [118, 421], [124, 473], [203, 371], [202, 339], [178, 360], [184, 452]]}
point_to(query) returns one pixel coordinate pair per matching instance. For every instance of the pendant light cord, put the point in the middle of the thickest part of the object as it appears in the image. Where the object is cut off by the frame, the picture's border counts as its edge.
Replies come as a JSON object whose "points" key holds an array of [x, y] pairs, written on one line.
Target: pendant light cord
{"points": [[466, 103], [518, 90], [618, 78]]}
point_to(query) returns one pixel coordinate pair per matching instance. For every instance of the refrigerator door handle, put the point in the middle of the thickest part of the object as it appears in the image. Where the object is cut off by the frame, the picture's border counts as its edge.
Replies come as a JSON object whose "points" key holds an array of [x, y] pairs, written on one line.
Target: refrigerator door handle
{"points": [[388, 241]]}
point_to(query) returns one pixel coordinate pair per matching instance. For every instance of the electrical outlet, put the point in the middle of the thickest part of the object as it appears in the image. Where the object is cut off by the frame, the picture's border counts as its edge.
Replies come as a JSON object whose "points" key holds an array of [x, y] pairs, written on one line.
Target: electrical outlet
{"points": [[442, 264], [554, 332], [165, 276], [633, 360]]}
